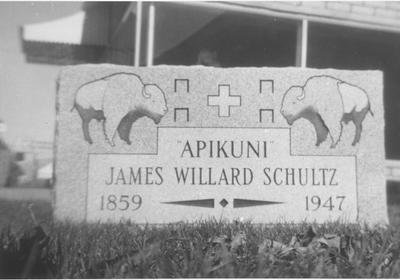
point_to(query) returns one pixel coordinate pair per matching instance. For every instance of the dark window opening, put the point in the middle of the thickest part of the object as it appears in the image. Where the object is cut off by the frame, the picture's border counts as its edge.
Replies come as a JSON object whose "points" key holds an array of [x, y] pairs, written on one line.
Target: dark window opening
{"points": [[235, 39], [19, 156]]}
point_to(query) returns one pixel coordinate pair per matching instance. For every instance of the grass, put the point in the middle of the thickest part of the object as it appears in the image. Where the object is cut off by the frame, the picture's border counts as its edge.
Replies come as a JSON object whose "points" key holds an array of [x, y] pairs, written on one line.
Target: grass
{"points": [[203, 249], [15, 214]]}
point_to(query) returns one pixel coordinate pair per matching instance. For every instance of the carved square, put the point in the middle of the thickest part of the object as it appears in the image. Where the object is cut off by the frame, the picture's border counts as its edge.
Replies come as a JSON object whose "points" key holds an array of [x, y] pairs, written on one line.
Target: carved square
{"points": [[266, 87], [266, 114], [181, 112]]}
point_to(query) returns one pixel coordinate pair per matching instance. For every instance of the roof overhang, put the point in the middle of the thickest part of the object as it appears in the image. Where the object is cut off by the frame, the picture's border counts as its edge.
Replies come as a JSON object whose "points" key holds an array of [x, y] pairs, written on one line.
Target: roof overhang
{"points": [[88, 28], [297, 13], [68, 30]]}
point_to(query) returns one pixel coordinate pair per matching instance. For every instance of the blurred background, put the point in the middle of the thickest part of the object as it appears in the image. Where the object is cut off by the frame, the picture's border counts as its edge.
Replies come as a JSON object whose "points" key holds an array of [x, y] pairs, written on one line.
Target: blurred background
{"points": [[37, 38]]}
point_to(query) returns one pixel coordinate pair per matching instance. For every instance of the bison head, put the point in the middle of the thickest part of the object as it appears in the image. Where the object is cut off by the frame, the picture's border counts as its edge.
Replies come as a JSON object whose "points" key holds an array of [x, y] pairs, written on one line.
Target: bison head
{"points": [[294, 104], [154, 105]]}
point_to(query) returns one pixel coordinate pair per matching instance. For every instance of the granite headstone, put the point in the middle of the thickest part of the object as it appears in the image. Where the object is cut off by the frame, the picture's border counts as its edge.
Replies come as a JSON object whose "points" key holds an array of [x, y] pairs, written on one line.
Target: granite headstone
{"points": [[167, 144]]}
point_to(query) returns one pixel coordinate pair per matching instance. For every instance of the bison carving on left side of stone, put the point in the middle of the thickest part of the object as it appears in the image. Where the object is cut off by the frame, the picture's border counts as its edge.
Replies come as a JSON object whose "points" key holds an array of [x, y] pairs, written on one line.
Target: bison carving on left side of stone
{"points": [[327, 102], [118, 100]]}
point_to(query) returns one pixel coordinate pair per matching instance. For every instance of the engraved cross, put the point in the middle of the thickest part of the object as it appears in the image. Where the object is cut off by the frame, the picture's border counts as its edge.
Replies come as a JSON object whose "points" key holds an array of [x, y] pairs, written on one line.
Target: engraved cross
{"points": [[224, 100]]}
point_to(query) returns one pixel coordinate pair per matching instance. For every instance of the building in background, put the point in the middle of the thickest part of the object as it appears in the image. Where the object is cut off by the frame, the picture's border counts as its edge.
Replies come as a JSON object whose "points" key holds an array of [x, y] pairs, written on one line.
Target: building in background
{"points": [[27, 163], [5, 157], [343, 35]]}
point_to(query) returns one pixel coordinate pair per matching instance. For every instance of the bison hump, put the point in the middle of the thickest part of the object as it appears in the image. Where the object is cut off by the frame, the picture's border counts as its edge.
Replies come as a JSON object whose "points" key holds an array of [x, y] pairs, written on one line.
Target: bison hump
{"points": [[91, 95], [354, 98]]}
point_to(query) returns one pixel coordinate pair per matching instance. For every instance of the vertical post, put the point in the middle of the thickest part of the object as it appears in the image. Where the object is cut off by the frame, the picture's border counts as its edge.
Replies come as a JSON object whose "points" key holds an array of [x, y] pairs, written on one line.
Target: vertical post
{"points": [[302, 41], [138, 33], [150, 35]]}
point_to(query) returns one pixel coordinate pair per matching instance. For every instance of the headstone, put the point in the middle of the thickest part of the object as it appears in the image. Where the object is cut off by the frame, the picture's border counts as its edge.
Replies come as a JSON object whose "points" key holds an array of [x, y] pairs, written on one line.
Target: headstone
{"points": [[169, 144]]}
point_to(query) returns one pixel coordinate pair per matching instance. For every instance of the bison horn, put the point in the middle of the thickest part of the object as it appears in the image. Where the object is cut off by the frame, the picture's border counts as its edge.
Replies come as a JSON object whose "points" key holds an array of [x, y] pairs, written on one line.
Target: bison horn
{"points": [[144, 92], [302, 95]]}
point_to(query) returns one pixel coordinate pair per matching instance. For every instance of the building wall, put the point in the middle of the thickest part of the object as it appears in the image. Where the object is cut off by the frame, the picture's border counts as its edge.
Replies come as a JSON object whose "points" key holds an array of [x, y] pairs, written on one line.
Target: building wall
{"points": [[27, 90]]}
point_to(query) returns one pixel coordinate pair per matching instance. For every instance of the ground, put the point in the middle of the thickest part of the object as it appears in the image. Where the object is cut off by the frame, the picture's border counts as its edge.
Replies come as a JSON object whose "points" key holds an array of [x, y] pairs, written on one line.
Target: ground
{"points": [[203, 249], [32, 245]]}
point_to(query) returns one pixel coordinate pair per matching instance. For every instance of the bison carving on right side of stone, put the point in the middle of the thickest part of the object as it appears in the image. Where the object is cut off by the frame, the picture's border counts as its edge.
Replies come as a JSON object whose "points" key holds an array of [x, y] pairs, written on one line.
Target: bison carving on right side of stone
{"points": [[118, 100], [327, 102]]}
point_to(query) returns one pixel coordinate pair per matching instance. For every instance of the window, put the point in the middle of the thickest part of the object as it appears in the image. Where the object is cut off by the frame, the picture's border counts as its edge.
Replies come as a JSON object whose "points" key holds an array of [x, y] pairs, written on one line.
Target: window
{"points": [[186, 35]]}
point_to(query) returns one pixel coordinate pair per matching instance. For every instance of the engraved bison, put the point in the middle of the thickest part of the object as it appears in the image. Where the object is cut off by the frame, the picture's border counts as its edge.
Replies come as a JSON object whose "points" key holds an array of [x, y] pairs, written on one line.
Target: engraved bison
{"points": [[118, 100], [327, 102]]}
